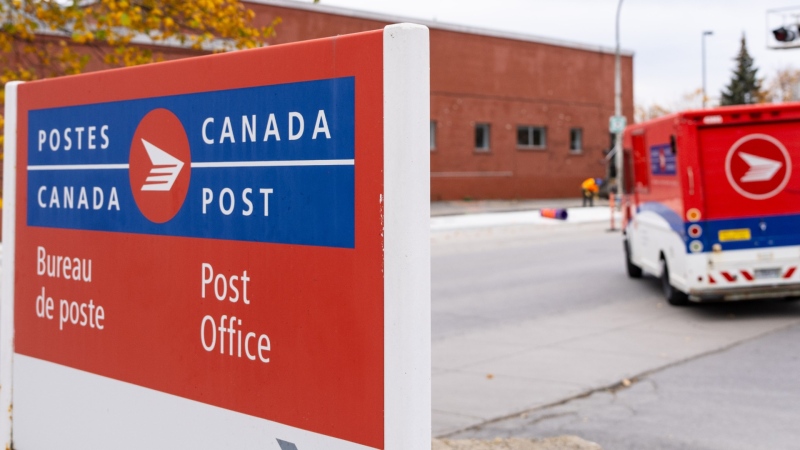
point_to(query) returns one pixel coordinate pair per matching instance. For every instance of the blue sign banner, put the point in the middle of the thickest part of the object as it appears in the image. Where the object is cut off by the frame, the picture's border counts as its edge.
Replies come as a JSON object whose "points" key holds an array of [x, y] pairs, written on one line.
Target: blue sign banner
{"points": [[662, 160], [262, 164]]}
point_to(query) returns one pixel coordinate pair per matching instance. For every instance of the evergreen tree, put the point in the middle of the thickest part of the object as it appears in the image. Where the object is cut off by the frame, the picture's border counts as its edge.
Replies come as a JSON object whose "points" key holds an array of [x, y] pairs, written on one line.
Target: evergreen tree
{"points": [[745, 87]]}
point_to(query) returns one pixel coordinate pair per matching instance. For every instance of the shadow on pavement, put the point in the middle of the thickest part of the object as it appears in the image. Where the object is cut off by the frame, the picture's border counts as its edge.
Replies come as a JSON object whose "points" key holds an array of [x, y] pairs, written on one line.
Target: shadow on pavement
{"points": [[738, 310]]}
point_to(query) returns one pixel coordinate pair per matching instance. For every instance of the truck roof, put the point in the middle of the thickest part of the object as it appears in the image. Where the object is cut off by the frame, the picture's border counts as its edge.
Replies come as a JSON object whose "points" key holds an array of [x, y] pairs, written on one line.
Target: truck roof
{"points": [[729, 114]]}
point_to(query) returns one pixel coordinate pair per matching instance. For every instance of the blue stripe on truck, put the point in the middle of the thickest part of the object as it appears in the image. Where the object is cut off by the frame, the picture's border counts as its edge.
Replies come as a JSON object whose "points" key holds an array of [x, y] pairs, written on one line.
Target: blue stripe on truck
{"points": [[766, 231], [673, 219]]}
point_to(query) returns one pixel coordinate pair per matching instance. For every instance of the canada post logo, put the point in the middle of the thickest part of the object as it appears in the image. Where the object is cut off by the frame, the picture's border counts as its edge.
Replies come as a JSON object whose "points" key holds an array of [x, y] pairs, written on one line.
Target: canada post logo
{"points": [[263, 164], [160, 165], [758, 166]]}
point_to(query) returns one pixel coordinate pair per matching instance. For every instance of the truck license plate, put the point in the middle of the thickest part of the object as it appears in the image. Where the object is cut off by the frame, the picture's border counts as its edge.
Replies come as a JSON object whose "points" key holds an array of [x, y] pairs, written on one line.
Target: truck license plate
{"points": [[768, 273], [741, 234]]}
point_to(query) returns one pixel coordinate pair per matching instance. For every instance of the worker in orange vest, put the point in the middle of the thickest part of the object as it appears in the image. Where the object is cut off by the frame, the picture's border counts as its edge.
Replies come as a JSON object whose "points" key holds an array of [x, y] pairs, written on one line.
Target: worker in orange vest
{"points": [[589, 188]]}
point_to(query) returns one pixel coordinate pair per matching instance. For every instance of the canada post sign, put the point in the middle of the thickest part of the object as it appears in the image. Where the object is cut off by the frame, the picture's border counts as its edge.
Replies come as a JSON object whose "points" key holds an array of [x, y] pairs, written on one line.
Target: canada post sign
{"points": [[228, 251], [266, 164]]}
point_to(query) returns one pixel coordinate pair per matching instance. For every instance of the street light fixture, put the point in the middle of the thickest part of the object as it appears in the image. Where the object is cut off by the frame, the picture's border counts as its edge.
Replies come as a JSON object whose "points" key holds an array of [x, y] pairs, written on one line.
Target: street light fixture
{"points": [[705, 33]]}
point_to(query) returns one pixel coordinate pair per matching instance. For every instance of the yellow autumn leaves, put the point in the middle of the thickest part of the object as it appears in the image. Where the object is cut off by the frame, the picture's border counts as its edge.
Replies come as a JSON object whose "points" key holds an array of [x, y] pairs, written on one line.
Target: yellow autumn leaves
{"points": [[45, 38], [49, 38]]}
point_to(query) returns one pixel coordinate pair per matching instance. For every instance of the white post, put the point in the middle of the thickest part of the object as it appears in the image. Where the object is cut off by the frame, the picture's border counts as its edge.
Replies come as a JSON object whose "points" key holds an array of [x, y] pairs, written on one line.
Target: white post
{"points": [[407, 276], [8, 263]]}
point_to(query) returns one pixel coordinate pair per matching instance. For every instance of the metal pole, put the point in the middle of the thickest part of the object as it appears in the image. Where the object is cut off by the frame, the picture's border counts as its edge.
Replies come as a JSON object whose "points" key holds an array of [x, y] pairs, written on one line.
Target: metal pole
{"points": [[618, 112], [705, 33]]}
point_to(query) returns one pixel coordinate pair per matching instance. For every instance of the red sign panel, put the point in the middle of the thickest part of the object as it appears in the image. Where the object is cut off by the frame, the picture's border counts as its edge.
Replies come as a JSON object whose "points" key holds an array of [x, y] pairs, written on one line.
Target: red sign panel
{"points": [[213, 229]]}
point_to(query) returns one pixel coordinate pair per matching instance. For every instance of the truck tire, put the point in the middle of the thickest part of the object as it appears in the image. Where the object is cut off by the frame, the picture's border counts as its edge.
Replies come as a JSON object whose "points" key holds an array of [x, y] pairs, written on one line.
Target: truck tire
{"points": [[673, 296], [634, 271]]}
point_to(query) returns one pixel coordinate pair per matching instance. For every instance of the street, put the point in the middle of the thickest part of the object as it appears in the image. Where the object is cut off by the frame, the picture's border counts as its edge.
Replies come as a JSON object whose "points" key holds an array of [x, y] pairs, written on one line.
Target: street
{"points": [[741, 398], [537, 331]]}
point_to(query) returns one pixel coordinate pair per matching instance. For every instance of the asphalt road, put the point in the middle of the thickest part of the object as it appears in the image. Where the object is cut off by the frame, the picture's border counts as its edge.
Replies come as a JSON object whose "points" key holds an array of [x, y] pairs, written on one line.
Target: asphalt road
{"points": [[499, 276], [535, 329], [745, 397]]}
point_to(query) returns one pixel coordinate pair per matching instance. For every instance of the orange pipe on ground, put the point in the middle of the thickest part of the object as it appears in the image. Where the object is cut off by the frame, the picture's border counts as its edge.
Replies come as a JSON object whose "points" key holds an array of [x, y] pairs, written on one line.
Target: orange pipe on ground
{"points": [[554, 213]]}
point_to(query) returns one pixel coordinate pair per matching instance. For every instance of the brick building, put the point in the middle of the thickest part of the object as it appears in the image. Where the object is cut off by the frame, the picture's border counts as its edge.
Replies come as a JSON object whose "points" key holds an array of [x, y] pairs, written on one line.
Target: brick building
{"points": [[512, 115]]}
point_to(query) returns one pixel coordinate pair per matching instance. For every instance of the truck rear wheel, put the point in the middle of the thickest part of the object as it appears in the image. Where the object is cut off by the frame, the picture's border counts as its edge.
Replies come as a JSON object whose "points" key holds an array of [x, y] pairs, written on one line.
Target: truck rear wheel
{"points": [[634, 271], [673, 296]]}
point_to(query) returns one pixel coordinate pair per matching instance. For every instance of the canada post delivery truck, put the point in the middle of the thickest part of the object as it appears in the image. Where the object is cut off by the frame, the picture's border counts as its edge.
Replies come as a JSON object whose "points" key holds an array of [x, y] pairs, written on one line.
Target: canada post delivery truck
{"points": [[713, 205]]}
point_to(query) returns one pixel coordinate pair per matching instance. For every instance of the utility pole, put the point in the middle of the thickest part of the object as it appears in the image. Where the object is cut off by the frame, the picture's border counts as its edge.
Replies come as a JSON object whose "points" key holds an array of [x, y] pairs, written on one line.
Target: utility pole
{"points": [[705, 33], [618, 114]]}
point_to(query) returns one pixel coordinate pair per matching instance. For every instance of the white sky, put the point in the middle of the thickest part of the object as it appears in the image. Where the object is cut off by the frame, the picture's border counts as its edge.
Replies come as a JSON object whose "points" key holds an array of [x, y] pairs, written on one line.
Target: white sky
{"points": [[665, 35]]}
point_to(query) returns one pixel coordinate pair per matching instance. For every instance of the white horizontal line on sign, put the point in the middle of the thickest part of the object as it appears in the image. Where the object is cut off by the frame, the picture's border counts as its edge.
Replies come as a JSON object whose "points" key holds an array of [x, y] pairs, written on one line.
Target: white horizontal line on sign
{"points": [[207, 165], [79, 167], [310, 162]]}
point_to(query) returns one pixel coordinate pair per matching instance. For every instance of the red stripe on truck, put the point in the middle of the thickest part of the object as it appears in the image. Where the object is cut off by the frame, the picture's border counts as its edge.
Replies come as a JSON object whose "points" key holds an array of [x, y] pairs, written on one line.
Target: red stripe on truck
{"points": [[728, 276]]}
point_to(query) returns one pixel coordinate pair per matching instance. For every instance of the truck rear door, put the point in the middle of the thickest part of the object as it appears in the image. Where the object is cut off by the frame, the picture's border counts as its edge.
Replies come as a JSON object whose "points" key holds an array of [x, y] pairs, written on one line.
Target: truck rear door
{"points": [[751, 188]]}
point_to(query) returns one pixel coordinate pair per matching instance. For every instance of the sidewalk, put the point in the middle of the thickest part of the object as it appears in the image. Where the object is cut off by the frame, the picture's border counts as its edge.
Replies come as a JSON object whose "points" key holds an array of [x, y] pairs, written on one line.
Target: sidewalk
{"points": [[458, 207], [479, 219]]}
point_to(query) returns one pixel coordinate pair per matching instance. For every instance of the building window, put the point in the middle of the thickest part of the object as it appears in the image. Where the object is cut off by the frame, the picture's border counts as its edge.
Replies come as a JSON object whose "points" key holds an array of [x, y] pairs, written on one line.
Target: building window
{"points": [[576, 140], [531, 137], [481, 137], [433, 135]]}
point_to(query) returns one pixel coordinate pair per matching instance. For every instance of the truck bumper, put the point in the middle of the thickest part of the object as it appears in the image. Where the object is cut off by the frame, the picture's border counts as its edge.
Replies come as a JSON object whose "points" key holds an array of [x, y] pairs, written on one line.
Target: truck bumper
{"points": [[745, 293], [744, 274]]}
